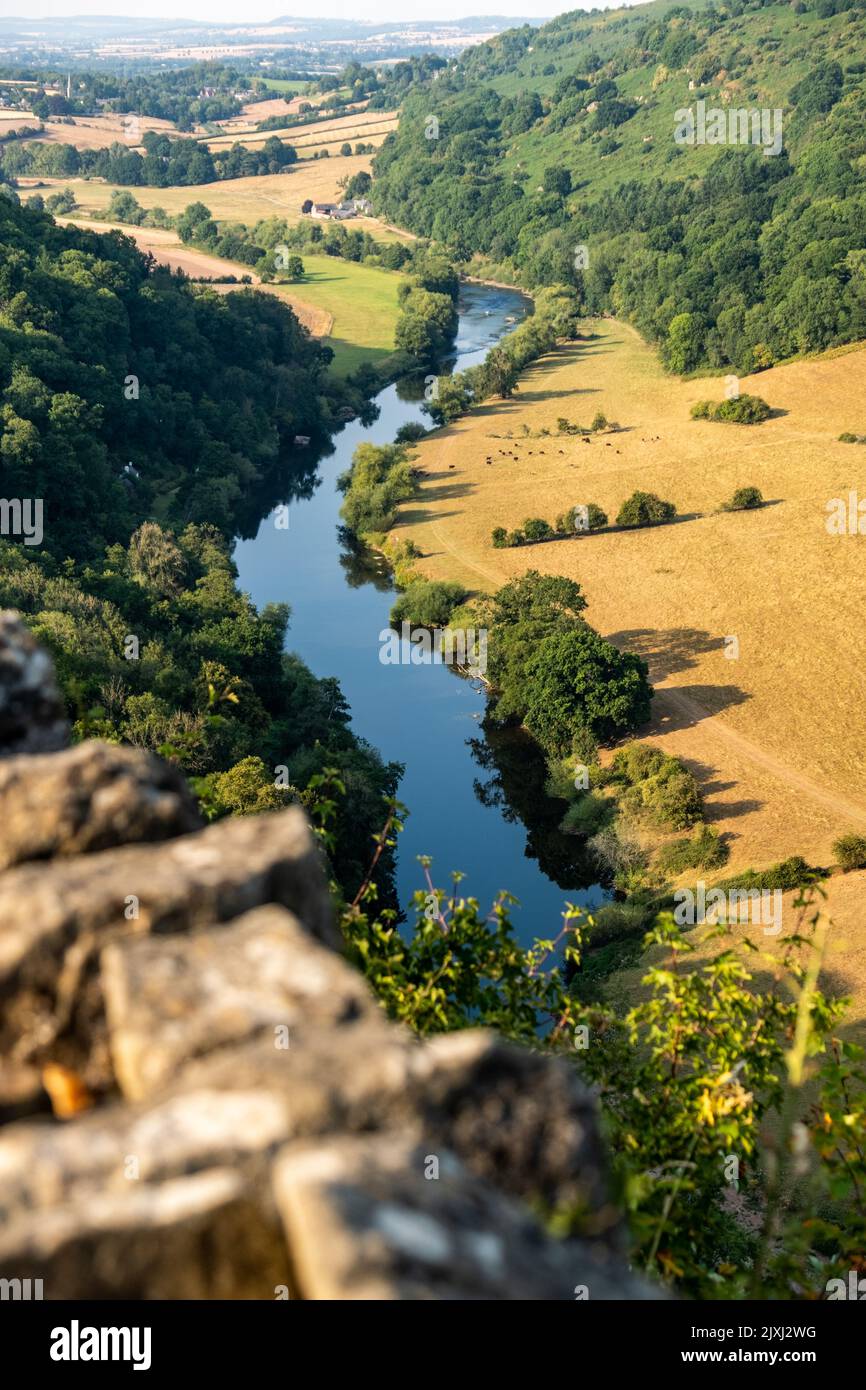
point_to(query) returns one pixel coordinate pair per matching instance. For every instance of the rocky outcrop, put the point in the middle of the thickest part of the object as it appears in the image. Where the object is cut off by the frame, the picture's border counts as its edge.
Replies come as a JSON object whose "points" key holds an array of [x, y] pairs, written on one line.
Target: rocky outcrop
{"points": [[242, 1121]]}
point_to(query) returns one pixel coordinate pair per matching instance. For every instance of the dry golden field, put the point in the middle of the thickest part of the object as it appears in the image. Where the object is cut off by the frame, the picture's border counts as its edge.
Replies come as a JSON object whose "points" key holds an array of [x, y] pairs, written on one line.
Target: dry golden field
{"points": [[91, 132], [779, 732], [774, 725], [244, 200], [371, 127]]}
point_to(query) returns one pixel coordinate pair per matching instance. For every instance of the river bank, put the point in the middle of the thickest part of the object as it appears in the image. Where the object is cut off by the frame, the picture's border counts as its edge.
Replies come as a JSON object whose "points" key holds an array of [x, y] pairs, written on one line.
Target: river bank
{"points": [[476, 804]]}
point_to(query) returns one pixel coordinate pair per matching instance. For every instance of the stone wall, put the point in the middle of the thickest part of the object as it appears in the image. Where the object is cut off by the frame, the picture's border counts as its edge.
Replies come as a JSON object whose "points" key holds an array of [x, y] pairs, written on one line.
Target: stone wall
{"points": [[200, 1098]]}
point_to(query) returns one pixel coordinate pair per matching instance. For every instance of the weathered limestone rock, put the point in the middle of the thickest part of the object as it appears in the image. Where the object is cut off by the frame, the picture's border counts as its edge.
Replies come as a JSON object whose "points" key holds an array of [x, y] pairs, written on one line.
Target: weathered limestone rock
{"points": [[116, 1150], [54, 918], [200, 1237], [91, 797], [521, 1121], [32, 717], [170, 1000], [257, 1125], [380, 1218]]}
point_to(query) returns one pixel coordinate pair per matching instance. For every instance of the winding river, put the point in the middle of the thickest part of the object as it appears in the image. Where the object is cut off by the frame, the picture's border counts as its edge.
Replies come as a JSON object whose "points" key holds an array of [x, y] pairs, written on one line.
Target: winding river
{"points": [[476, 803]]}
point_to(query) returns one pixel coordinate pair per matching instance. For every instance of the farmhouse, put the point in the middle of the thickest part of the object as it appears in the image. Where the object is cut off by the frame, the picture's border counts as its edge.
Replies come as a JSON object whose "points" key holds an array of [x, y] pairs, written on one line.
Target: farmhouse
{"points": [[333, 211]]}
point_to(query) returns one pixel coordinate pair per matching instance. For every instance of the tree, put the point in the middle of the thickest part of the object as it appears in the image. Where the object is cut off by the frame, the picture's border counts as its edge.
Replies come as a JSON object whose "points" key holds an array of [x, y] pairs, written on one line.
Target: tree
{"points": [[682, 350], [577, 680], [645, 509], [500, 374], [155, 561], [557, 180]]}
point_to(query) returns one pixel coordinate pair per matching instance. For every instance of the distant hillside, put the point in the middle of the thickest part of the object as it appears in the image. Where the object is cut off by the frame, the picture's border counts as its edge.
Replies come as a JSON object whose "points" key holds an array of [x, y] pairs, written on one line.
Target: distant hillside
{"points": [[554, 138]]}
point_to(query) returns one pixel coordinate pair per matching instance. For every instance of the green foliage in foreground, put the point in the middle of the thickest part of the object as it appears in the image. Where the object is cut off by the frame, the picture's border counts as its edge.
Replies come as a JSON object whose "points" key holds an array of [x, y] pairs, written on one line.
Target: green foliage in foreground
{"points": [[687, 1077]]}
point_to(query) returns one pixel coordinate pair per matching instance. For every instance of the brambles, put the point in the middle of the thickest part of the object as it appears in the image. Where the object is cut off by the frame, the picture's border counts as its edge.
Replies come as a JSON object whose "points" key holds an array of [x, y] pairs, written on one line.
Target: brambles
{"points": [[705, 850], [850, 852], [742, 410], [645, 509], [744, 499], [658, 789]]}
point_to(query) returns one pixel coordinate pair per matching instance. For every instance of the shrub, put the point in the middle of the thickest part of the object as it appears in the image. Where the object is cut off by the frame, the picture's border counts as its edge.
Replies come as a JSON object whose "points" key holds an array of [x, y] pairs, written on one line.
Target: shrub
{"points": [[536, 529], [787, 874], [613, 921], [410, 433], [645, 509], [499, 537], [428, 603], [744, 499], [635, 762], [850, 852], [599, 422], [588, 815], [616, 853], [567, 522], [669, 798], [742, 410], [704, 851], [516, 538], [846, 438]]}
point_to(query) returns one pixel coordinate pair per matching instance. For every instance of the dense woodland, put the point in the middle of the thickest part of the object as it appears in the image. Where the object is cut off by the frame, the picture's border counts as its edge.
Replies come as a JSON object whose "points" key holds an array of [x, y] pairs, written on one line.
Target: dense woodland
{"points": [[724, 257], [127, 394]]}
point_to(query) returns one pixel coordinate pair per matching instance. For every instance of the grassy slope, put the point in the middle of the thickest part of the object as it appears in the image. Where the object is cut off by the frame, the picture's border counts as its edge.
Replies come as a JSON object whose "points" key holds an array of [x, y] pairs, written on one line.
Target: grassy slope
{"points": [[762, 75], [363, 302]]}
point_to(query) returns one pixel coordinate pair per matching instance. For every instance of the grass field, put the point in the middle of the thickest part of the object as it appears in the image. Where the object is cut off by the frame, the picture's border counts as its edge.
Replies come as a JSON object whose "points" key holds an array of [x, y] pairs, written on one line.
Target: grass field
{"points": [[776, 736], [233, 200], [362, 302]]}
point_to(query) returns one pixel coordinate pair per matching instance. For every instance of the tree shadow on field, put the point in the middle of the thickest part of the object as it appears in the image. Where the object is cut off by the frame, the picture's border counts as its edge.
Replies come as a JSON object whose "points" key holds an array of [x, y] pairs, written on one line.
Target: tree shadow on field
{"points": [[705, 701], [711, 788], [445, 491], [678, 649]]}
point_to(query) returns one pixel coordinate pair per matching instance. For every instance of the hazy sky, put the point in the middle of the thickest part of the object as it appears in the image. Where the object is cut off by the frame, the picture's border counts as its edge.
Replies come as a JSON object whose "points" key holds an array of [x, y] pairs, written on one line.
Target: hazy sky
{"points": [[251, 10]]}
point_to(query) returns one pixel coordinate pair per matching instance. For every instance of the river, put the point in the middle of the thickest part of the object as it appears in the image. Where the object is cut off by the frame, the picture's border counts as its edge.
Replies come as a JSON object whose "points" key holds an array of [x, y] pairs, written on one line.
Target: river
{"points": [[476, 804]]}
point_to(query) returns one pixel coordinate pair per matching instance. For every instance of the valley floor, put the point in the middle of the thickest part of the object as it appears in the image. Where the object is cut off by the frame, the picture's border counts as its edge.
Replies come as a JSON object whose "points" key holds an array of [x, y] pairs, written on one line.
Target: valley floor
{"points": [[773, 723]]}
